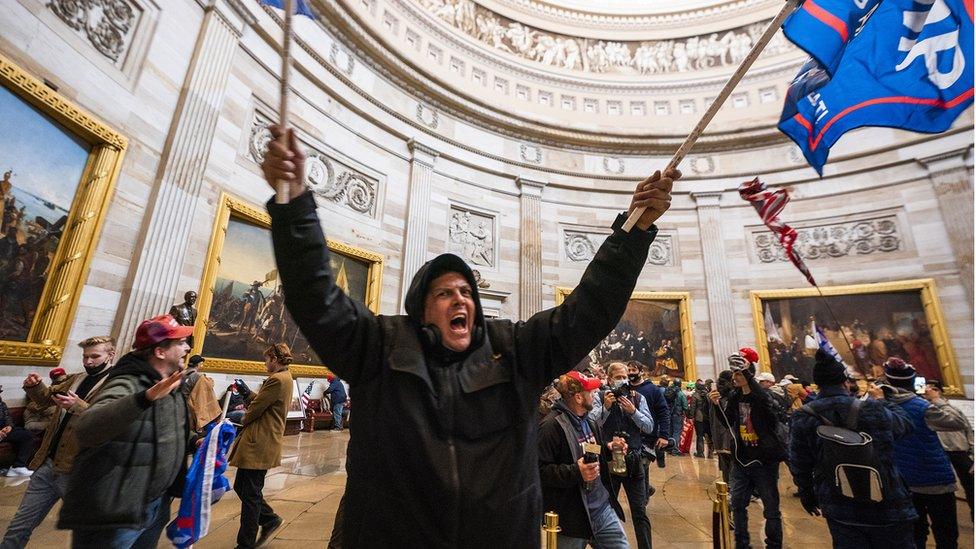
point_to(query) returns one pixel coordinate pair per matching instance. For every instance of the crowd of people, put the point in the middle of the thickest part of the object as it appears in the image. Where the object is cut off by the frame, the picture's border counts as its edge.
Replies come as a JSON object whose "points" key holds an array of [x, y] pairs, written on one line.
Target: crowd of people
{"points": [[448, 449], [891, 481]]}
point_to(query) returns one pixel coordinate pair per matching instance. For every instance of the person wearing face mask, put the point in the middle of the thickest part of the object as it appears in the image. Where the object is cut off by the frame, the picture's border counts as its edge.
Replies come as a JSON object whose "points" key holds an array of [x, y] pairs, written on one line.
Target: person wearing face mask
{"points": [[55, 457], [624, 411], [721, 436], [578, 488], [654, 444]]}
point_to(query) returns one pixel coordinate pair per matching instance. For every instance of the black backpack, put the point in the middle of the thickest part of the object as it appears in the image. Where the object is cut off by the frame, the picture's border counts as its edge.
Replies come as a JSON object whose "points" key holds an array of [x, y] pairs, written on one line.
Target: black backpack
{"points": [[847, 458]]}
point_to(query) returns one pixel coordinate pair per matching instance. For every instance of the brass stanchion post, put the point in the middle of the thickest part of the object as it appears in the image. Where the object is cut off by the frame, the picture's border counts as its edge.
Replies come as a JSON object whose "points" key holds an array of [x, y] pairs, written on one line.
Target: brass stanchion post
{"points": [[551, 528], [721, 517]]}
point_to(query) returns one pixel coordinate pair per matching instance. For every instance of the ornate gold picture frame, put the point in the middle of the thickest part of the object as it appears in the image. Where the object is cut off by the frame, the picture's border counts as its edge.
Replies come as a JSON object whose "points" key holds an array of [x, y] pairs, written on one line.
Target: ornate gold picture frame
{"points": [[662, 318], [864, 322], [241, 308], [53, 212]]}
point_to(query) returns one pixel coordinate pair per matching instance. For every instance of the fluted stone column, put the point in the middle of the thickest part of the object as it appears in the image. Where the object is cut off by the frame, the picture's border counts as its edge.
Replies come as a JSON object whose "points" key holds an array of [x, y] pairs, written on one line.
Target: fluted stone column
{"points": [[718, 288], [170, 210], [422, 160], [530, 265], [952, 180]]}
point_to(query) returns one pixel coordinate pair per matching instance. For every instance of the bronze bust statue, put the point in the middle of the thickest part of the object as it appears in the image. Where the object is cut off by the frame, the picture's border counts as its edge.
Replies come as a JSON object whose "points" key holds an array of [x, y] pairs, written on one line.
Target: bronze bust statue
{"points": [[184, 313]]}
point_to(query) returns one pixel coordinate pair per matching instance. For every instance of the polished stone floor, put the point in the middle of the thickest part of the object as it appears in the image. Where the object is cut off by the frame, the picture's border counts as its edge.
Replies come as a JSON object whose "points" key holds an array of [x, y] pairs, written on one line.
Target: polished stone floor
{"points": [[306, 489]]}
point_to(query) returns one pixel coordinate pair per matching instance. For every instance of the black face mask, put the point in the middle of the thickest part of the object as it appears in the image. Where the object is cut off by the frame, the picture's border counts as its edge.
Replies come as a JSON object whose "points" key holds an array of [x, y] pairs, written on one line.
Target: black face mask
{"points": [[95, 370], [634, 378]]}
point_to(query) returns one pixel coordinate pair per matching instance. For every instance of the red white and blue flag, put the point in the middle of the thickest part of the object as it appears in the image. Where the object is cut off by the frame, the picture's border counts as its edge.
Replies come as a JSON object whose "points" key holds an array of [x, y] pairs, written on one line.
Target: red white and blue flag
{"points": [[895, 63], [769, 204], [301, 7], [205, 484]]}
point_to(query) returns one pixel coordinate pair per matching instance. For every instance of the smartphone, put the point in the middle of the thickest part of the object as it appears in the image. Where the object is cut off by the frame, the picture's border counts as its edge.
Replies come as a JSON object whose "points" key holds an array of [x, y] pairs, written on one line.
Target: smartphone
{"points": [[920, 385]]}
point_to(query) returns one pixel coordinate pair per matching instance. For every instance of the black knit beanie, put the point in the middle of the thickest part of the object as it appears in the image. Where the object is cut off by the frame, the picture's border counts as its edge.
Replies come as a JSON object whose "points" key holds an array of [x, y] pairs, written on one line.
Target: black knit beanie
{"points": [[827, 370]]}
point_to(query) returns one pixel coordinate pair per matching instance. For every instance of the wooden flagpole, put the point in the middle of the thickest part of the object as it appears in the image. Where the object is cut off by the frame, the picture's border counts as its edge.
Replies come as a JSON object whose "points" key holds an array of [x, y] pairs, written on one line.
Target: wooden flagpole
{"points": [[282, 190], [706, 118]]}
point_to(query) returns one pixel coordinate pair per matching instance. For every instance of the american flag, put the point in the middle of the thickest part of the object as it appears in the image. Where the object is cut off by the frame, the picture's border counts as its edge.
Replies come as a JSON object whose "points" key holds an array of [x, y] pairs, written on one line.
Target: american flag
{"points": [[769, 204], [307, 395]]}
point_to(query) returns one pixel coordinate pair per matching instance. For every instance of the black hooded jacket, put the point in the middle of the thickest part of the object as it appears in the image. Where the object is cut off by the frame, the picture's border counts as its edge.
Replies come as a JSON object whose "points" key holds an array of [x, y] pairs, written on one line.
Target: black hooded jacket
{"points": [[443, 452]]}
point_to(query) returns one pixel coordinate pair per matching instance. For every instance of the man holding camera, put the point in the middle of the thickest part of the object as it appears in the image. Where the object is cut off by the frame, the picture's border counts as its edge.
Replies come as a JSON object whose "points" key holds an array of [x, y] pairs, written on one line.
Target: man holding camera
{"points": [[573, 468], [624, 413], [750, 416]]}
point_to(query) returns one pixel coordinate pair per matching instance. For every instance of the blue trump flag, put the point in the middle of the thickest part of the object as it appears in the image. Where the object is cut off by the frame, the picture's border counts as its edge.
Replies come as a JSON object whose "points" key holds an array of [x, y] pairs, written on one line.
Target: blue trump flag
{"points": [[301, 6], [205, 484], [909, 67], [824, 27]]}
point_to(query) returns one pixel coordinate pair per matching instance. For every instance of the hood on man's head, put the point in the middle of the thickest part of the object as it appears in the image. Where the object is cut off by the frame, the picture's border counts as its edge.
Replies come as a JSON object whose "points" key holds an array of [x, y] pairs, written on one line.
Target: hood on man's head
{"points": [[428, 272]]}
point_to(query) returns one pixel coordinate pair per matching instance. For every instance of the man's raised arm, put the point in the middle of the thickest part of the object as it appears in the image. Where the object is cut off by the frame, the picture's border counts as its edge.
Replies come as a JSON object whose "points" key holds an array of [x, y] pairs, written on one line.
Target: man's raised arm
{"points": [[560, 337], [342, 331]]}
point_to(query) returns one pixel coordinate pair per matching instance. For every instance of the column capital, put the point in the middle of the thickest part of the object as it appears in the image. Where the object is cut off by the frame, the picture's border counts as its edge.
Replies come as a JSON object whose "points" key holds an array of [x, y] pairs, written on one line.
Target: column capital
{"points": [[707, 199], [421, 153], [958, 159], [234, 13], [530, 187]]}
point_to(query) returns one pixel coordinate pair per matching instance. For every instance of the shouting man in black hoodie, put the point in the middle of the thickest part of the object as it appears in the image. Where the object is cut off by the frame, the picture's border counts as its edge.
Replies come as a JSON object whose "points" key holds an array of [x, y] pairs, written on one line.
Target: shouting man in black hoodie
{"points": [[443, 453]]}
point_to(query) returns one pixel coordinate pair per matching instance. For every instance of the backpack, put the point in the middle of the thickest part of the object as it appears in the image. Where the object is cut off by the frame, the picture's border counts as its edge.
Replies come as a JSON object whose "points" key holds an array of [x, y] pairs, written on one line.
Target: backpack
{"points": [[848, 459]]}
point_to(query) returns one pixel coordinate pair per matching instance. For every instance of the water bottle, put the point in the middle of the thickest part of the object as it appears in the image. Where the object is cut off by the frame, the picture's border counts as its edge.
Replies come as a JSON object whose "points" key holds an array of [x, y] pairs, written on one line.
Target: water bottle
{"points": [[618, 465]]}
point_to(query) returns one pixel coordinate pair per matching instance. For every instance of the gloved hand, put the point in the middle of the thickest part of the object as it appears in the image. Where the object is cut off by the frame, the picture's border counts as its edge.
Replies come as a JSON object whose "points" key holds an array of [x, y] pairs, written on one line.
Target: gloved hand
{"points": [[809, 501]]}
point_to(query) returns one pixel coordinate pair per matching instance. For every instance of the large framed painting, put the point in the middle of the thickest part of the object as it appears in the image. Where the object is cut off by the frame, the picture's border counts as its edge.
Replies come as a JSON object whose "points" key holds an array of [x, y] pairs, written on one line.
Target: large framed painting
{"points": [[654, 331], [866, 323], [242, 308], [59, 165]]}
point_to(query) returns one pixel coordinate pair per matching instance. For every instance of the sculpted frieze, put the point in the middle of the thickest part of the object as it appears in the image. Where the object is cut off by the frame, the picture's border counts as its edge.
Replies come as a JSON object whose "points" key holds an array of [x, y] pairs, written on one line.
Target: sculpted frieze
{"points": [[831, 240], [105, 24], [581, 245], [329, 179], [472, 236], [726, 48]]}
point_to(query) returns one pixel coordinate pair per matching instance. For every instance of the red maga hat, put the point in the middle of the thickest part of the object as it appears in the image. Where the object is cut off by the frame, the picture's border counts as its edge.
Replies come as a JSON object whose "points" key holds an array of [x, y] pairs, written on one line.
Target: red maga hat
{"points": [[588, 383], [158, 329]]}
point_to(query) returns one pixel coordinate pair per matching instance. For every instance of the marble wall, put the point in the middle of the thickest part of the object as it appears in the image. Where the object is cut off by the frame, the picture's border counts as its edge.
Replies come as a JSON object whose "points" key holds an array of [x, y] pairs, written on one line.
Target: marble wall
{"points": [[193, 109]]}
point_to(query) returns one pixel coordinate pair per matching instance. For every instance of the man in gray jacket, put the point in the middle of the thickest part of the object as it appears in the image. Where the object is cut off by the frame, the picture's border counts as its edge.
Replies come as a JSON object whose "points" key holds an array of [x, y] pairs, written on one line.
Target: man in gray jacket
{"points": [[133, 445]]}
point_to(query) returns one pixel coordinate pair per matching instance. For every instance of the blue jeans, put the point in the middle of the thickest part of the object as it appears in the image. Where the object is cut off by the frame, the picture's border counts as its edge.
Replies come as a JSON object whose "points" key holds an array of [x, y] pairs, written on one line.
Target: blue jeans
{"points": [[45, 489], [762, 478], [155, 518], [337, 412], [677, 423], [893, 536], [608, 533]]}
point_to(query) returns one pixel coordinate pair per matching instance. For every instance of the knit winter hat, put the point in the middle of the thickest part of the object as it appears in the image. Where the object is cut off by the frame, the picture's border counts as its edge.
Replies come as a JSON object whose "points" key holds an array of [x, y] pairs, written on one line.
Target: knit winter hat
{"points": [[827, 370], [899, 373]]}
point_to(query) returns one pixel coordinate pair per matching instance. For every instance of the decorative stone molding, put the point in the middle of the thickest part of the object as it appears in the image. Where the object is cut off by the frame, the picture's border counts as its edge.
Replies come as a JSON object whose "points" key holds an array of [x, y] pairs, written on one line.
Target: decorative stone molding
{"points": [[427, 116], [725, 48], [580, 245], [613, 165], [472, 235], [329, 178], [833, 239], [341, 59], [530, 154], [702, 165], [628, 21], [107, 24]]}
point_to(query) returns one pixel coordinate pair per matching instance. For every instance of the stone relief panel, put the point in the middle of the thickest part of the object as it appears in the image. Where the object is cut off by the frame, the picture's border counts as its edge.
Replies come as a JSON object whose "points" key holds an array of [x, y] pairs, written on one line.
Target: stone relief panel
{"points": [[826, 240], [330, 179], [530, 154], [427, 116], [580, 245], [613, 165], [726, 48], [472, 235], [108, 25], [341, 59]]}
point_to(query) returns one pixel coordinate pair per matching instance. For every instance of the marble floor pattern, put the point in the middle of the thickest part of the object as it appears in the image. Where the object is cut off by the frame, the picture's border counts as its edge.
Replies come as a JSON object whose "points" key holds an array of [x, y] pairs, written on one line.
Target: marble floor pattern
{"points": [[306, 489]]}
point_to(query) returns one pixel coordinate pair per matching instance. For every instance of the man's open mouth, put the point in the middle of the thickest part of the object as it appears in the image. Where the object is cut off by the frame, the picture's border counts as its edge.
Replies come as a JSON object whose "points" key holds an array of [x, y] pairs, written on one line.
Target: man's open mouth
{"points": [[459, 323]]}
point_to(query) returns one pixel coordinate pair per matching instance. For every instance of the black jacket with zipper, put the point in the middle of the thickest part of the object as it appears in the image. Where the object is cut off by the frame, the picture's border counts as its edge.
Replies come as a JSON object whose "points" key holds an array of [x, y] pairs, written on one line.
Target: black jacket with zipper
{"points": [[563, 490], [443, 452]]}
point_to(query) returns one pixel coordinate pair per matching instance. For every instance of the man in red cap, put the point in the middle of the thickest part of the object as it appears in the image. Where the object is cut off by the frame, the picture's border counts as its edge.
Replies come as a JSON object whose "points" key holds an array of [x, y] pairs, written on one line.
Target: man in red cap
{"points": [[133, 443], [577, 487], [54, 458], [753, 419]]}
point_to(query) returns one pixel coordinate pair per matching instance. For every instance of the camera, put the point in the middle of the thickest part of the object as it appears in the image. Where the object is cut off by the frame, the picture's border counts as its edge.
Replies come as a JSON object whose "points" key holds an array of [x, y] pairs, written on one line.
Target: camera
{"points": [[622, 391]]}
